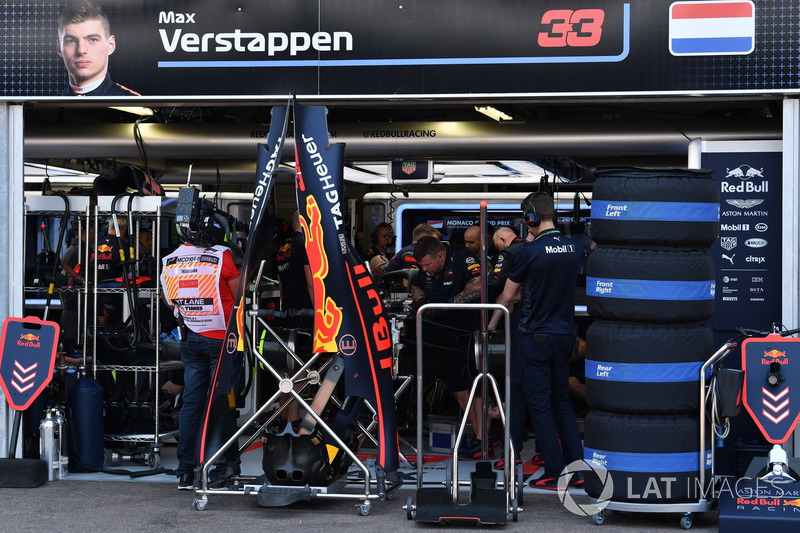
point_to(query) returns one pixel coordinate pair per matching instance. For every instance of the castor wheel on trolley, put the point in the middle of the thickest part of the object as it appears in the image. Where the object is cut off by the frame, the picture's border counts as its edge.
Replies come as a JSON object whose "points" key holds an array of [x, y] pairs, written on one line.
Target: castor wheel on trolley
{"points": [[154, 461], [363, 508], [686, 521], [409, 507], [200, 503], [599, 517], [514, 510]]}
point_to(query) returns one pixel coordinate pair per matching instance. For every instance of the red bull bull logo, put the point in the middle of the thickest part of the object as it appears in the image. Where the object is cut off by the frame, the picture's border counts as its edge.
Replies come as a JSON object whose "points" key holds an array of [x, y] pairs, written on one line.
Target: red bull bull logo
{"points": [[29, 340], [105, 248], [774, 356], [328, 317], [793, 503]]}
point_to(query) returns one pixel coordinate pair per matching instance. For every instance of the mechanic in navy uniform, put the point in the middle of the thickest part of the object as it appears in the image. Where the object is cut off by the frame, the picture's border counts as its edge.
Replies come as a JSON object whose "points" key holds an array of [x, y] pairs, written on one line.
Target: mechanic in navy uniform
{"points": [[507, 242], [296, 282], [382, 240], [450, 277], [404, 258], [84, 43], [472, 240], [542, 280]]}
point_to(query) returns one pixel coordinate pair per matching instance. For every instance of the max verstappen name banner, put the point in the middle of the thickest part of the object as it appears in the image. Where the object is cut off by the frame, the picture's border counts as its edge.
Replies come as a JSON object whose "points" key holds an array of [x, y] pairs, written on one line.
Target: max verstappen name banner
{"points": [[271, 48], [349, 314]]}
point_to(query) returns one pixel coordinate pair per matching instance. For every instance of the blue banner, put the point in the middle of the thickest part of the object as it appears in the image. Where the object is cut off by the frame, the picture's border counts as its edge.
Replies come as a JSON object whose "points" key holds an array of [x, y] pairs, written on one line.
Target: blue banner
{"points": [[656, 463], [646, 289], [644, 372], [655, 211]]}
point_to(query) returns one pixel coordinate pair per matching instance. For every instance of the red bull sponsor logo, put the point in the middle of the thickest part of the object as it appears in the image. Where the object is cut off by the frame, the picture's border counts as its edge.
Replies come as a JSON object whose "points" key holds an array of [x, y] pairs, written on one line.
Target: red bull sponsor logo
{"points": [[381, 333], [758, 501], [328, 316], [793, 503], [29, 340], [774, 356]]}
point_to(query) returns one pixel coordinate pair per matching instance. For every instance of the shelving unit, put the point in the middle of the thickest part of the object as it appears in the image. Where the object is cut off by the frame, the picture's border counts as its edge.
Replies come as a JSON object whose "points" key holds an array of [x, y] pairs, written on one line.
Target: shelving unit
{"points": [[141, 208], [52, 207], [147, 375]]}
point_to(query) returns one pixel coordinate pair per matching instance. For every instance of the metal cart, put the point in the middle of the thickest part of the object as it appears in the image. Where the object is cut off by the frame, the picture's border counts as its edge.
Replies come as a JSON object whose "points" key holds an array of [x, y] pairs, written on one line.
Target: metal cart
{"points": [[490, 501], [706, 502]]}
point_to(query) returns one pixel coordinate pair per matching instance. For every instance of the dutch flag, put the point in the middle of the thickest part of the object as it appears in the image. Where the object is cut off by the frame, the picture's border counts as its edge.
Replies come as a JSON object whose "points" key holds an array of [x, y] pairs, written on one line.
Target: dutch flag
{"points": [[712, 28]]}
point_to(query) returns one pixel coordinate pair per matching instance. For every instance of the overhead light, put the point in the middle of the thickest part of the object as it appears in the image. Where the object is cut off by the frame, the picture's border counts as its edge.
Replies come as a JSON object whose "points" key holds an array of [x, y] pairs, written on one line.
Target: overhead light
{"points": [[493, 113], [141, 111]]}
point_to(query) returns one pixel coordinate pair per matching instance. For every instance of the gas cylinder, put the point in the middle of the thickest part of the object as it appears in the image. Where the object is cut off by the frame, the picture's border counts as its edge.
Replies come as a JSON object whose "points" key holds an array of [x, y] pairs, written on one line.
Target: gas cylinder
{"points": [[85, 403], [63, 449], [50, 445], [71, 376]]}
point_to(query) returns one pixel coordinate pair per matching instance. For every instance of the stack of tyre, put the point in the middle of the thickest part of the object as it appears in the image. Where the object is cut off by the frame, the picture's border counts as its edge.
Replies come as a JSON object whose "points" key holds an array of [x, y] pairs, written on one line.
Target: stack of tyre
{"points": [[650, 286]]}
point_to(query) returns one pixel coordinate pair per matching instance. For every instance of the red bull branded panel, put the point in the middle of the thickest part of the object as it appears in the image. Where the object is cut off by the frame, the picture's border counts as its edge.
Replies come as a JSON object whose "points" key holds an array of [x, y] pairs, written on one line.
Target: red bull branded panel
{"points": [[771, 364], [26, 363], [350, 318]]}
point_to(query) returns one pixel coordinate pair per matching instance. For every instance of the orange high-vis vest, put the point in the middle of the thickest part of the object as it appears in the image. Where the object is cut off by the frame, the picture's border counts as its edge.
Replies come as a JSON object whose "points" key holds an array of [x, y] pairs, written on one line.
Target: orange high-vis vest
{"points": [[190, 280]]}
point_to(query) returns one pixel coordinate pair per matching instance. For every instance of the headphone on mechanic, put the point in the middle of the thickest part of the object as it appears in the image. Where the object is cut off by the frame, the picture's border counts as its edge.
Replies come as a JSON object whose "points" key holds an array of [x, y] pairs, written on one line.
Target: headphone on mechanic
{"points": [[374, 235], [219, 228], [529, 213], [216, 229]]}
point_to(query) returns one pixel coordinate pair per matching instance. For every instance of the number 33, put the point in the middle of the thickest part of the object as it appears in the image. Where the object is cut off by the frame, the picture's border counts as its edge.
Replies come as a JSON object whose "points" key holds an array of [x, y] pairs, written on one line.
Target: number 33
{"points": [[583, 27]]}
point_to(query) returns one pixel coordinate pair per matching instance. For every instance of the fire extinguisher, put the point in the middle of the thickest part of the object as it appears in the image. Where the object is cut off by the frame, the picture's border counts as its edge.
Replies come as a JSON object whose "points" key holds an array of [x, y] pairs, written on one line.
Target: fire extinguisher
{"points": [[50, 445], [63, 443]]}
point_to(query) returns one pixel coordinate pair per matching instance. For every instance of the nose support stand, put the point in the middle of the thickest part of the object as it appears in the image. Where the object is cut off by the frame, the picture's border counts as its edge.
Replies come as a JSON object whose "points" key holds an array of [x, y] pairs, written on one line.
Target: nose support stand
{"points": [[317, 371], [488, 504]]}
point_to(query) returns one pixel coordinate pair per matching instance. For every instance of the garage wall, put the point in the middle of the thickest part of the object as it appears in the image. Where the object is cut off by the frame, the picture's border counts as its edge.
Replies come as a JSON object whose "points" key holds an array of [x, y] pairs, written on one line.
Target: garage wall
{"points": [[10, 239]]}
